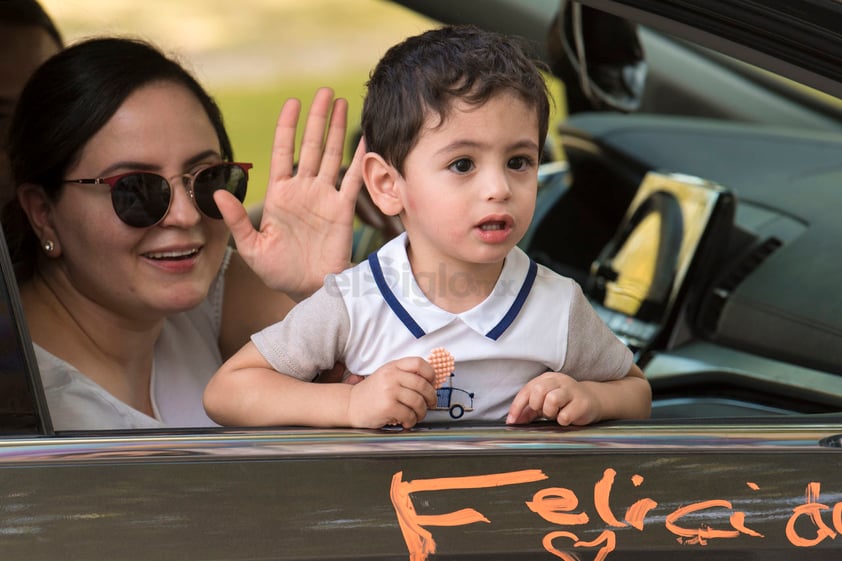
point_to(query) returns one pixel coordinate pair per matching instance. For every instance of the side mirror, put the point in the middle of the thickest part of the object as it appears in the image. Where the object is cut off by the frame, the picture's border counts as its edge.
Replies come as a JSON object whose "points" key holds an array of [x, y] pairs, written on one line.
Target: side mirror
{"points": [[599, 57]]}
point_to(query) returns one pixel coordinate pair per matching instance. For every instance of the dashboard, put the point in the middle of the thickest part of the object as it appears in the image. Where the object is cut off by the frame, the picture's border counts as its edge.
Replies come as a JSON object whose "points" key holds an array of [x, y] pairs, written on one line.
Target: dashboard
{"points": [[750, 319]]}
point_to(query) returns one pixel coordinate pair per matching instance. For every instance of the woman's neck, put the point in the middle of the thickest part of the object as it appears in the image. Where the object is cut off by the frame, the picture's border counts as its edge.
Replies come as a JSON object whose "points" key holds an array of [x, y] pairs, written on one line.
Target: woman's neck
{"points": [[113, 351]]}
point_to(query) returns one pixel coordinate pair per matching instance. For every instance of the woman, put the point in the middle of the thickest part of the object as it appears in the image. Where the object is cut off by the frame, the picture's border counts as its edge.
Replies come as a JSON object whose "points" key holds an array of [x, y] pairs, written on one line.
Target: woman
{"points": [[131, 293]]}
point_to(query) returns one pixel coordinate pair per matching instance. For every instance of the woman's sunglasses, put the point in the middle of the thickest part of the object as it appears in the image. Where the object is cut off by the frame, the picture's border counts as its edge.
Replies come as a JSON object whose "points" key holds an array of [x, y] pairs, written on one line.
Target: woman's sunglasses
{"points": [[142, 199]]}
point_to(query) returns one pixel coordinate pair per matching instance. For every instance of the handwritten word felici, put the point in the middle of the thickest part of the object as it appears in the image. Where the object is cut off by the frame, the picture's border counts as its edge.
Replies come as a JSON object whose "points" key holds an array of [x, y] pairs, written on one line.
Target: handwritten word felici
{"points": [[558, 505]]}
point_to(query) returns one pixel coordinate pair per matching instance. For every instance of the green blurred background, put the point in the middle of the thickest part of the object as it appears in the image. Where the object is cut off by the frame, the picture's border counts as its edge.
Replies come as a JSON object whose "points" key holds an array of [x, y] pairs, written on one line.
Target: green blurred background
{"points": [[253, 54]]}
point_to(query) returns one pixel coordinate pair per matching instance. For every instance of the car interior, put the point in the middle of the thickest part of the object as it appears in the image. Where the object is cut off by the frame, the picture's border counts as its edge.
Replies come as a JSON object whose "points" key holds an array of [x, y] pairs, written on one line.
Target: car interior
{"points": [[694, 203]]}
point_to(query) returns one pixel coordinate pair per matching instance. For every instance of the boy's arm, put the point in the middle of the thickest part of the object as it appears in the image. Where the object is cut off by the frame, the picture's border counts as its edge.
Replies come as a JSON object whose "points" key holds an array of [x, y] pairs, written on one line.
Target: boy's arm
{"points": [[629, 397], [247, 391]]}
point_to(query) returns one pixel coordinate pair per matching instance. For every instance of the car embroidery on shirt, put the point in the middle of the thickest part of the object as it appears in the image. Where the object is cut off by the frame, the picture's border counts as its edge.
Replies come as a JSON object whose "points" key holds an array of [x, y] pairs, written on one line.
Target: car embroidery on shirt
{"points": [[454, 400]]}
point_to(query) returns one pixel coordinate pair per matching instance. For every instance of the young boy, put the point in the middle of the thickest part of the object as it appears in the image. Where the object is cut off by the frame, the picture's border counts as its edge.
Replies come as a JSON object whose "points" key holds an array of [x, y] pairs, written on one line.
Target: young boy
{"points": [[454, 121]]}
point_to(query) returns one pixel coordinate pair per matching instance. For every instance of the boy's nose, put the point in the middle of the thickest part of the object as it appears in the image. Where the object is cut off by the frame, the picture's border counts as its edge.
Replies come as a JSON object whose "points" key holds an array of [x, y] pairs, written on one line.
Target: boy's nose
{"points": [[497, 187]]}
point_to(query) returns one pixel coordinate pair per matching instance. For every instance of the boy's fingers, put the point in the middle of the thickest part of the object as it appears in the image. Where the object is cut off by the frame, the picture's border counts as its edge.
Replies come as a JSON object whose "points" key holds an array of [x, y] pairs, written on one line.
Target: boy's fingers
{"points": [[416, 365], [520, 411]]}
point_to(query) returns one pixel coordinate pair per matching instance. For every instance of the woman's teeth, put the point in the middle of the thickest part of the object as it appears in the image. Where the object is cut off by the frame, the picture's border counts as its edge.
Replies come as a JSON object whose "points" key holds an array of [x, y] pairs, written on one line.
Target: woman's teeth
{"points": [[173, 254]]}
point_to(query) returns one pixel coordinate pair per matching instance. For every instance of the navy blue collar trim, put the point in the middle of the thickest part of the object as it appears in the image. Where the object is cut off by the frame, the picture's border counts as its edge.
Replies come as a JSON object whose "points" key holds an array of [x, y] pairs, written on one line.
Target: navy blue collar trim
{"points": [[510, 316], [390, 298], [415, 329]]}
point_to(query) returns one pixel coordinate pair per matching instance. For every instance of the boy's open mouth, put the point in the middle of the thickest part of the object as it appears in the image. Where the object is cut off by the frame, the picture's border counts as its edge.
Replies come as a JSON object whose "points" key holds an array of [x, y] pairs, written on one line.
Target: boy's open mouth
{"points": [[497, 225]]}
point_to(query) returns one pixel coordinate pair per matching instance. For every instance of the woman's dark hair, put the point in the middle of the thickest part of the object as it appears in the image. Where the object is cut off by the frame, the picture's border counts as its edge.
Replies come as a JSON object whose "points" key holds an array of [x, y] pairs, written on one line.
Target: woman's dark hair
{"points": [[426, 73], [21, 13], [68, 99]]}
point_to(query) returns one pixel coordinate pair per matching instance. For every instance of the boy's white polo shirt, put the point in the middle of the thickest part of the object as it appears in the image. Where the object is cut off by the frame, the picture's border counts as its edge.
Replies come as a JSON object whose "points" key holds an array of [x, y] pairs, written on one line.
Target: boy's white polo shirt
{"points": [[518, 332], [534, 321]]}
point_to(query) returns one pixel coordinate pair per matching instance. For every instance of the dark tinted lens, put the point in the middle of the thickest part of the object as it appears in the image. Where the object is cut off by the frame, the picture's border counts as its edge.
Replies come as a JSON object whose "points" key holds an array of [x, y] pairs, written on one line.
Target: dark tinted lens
{"points": [[229, 177], [141, 199]]}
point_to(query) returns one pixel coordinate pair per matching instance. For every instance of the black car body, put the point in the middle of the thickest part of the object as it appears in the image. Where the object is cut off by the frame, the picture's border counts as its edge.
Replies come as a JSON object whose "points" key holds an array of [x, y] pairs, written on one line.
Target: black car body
{"points": [[742, 457]]}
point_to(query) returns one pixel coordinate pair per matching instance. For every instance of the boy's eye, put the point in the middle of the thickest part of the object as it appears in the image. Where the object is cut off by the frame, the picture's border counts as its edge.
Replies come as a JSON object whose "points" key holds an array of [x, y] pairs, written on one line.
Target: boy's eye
{"points": [[519, 163], [462, 165]]}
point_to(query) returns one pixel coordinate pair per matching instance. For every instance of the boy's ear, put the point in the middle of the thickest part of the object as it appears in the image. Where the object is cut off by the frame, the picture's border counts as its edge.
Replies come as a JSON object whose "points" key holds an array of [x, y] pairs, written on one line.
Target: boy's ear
{"points": [[381, 179]]}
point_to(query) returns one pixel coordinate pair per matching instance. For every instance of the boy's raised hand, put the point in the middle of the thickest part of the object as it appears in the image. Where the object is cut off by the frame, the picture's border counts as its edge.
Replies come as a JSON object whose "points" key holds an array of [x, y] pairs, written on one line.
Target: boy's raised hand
{"points": [[397, 393]]}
